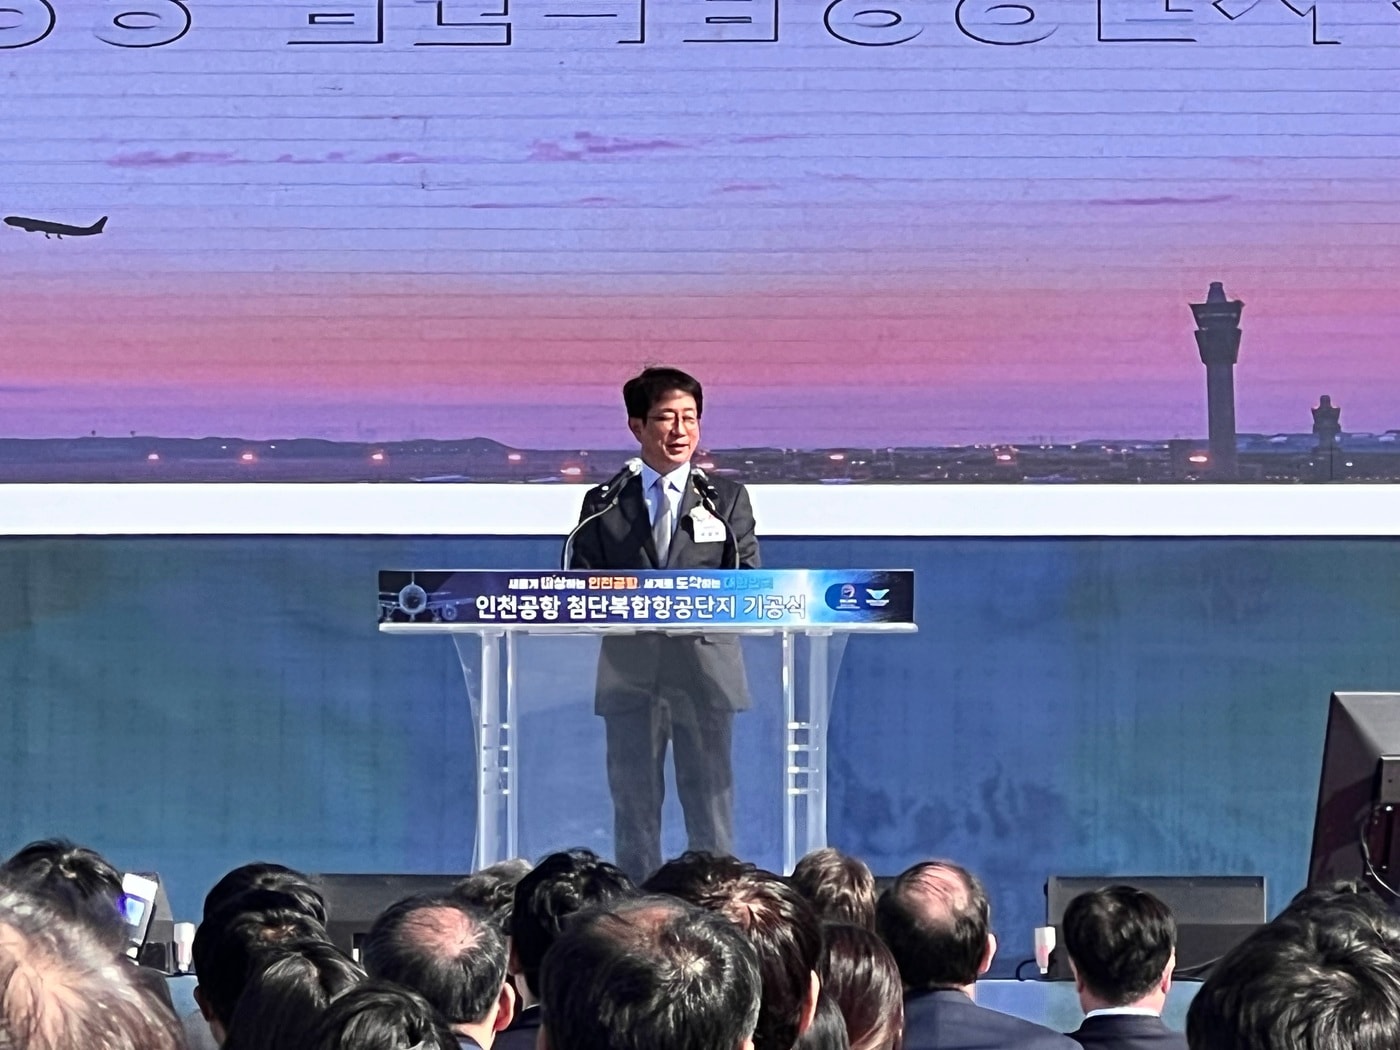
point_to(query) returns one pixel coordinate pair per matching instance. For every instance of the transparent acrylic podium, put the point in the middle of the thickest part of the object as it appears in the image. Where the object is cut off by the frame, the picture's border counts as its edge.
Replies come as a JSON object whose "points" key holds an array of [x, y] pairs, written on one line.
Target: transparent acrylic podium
{"points": [[498, 654]]}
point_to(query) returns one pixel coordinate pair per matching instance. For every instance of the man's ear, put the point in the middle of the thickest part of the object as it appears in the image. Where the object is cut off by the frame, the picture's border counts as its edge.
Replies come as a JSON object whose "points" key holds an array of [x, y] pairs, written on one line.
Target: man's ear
{"points": [[991, 954], [542, 1038], [512, 959], [636, 426], [1167, 972], [216, 1027], [505, 1007], [1078, 981], [809, 1008]]}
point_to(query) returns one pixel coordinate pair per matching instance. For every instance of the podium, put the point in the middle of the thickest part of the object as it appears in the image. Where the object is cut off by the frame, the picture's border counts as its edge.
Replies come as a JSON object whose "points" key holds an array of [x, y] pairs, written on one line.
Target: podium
{"points": [[488, 613]]}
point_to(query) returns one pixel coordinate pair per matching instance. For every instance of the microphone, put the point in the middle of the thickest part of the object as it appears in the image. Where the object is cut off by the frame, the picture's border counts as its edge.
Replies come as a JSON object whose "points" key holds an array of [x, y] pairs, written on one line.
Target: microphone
{"points": [[1044, 945], [610, 493], [709, 499]]}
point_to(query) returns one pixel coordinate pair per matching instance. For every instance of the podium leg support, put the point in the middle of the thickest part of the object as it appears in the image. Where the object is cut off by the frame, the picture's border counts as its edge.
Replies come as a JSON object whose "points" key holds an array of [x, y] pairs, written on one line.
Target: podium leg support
{"points": [[805, 715], [497, 779]]}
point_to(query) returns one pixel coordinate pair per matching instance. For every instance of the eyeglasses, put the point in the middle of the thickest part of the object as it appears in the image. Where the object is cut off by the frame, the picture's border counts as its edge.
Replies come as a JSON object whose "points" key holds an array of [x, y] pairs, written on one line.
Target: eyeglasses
{"points": [[670, 419]]}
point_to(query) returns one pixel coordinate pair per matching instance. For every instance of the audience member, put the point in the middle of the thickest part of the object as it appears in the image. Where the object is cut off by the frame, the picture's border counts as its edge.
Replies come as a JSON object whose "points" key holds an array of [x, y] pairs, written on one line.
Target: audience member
{"points": [[779, 923], [492, 889], [654, 973], [63, 988], [859, 974], [561, 885], [265, 875], [937, 922], [377, 1015], [839, 888], [1121, 944], [227, 943], [1321, 976], [452, 955], [291, 988], [79, 882]]}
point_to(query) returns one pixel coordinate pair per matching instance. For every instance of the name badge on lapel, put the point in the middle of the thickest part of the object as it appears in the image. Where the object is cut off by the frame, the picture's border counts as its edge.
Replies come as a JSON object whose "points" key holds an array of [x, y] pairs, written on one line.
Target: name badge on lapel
{"points": [[706, 527]]}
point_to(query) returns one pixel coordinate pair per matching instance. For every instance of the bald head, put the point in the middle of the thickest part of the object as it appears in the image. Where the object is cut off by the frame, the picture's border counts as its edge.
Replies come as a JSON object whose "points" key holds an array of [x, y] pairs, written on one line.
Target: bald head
{"points": [[937, 923], [450, 953]]}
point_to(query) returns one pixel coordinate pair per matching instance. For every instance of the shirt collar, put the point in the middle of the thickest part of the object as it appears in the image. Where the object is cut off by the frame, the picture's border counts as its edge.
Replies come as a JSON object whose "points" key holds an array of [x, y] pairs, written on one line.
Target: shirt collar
{"points": [[675, 480], [1122, 1011]]}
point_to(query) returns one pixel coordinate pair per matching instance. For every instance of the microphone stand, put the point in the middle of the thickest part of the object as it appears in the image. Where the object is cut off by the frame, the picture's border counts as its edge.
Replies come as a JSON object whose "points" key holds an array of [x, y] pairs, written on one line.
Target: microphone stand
{"points": [[618, 483], [709, 499]]}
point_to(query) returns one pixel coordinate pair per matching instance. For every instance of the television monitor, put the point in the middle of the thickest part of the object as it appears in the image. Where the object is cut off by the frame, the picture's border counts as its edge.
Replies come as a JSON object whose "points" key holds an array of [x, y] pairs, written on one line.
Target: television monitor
{"points": [[1355, 833]]}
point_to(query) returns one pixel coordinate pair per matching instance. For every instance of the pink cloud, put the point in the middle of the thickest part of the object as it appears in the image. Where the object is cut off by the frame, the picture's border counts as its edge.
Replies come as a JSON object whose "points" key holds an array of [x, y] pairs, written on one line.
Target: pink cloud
{"points": [[152, 159], [585, 145]]}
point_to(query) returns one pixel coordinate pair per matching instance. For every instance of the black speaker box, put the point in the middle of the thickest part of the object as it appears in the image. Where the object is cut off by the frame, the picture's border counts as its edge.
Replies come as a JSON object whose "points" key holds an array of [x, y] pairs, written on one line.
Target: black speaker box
{"points": [[353, 902]]}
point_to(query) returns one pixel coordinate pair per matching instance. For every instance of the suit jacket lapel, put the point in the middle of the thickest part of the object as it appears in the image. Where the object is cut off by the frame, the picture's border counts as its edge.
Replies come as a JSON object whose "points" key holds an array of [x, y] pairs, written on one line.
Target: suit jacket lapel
{"points": [[633, 505]]}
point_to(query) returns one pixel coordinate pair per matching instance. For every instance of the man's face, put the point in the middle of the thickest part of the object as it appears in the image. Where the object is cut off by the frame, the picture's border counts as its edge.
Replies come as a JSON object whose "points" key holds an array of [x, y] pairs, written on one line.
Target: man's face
{"points": [[670, 433]]}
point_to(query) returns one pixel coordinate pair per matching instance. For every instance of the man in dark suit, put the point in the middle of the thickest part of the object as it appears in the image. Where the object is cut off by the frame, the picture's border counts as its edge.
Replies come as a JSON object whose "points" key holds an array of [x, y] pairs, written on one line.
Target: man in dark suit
{"points": [[1121, 944], [655, 689], [937, 922]]}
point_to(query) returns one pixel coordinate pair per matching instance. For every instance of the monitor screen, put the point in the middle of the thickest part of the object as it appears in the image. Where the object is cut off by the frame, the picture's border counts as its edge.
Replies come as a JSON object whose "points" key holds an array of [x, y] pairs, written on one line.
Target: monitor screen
{"points": [[1353, 836]]}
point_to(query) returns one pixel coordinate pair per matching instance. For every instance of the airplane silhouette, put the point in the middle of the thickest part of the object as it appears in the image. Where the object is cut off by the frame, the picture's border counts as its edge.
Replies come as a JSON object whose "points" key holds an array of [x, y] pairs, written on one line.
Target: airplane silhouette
{"points": [[58, 229]]}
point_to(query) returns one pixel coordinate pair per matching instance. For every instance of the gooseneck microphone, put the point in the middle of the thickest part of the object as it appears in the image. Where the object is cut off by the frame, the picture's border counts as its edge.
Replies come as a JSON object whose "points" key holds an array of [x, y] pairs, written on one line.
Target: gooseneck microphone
{"points": [[610, 492], [709, 499]]}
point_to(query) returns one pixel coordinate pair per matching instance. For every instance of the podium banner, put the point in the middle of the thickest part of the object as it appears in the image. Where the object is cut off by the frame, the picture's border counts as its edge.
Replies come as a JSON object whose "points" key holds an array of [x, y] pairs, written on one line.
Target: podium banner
{"points": [[670, 598]]}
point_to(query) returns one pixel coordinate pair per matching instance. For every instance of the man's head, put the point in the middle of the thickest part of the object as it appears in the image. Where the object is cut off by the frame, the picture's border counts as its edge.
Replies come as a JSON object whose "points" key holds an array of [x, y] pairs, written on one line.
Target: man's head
{"points": [[376, 1014], [227, 942], [492, 889], [859, 974], [1122, 945], [265, 875], [558, 887], [289, 990], [1317, 979], [449, 953], [664, 406], [937, 922], [840, 888], [79, 882], [652, 974], [61, 988], [779, 923]]}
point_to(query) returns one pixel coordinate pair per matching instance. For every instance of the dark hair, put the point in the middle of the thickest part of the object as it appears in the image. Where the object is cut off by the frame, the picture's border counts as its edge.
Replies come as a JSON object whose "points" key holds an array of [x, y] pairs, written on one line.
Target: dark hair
{"points": [[828, 1028], [559, 886], [653, 974], [377, 1015], [1312, 980], [779, 923], [451, 954], [935, 919], [641, 393], [79, 882], [265, 875], [61, 989], [292, 986], [492, 889], [227, 943], [1120, 940], [859, 974], [840, 888]]}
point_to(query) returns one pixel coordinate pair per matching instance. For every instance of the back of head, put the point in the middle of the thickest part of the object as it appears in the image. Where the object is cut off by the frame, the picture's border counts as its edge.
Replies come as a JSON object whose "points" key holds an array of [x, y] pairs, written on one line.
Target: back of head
{"points": [[860, 976], [1120, 940], [653, 974], [377, 1015], [452, 955], [63, 988], [79, 882], [935, 919], [840, 888], [559, 886], [284, 999], [779, 922], [1314, 979], [648, 387], [828, 1028], [492, 889], [227, 943], [265, 875]]}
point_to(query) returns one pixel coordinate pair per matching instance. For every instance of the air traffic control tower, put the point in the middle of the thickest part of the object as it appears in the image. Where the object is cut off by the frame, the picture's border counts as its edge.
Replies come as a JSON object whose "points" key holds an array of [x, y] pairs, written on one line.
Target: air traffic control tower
{"points": [[1218, 338]]}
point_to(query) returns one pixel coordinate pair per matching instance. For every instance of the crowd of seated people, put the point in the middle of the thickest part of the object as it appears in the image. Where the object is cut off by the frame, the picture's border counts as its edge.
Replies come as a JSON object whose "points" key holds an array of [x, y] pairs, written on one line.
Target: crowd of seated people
{"points": [[709, 953]]}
